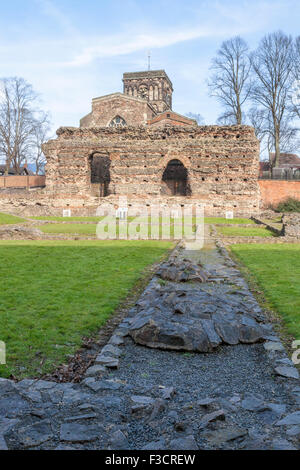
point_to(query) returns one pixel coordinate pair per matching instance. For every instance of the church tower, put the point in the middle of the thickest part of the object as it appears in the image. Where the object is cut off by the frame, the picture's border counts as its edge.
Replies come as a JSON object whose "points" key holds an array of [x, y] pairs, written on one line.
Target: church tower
{"points": [[152, 85]]}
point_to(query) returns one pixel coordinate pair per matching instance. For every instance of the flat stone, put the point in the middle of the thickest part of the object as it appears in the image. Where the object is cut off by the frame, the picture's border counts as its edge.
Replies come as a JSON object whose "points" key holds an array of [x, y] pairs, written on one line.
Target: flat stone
{"points": [[95, 370], [118, 441], [107, 361], [289, 372], [73, 396], [209, 329], [3, 445], [55, 396], [155, 445], [116, 340], [214, 416], [25, 383], [70, 419], [294, 431], [226, 435], [32, 395], [250, 334], [7, 424], [43, 385], [64, 447], [291, 419], [286, 361], [7, 386], [235, 399], [282, 444], [184, 443], [272, 338], [74, 432], [167, 393], [255, 444], [139, 322], [109, 402], [38, 412], [142, 400], [103, 385], [228, 331], [165, 332], [34, 435], [277, 408], [139, 409], [253, 404], [273, 346], [111, 350], [158, 406], [205, 401]]}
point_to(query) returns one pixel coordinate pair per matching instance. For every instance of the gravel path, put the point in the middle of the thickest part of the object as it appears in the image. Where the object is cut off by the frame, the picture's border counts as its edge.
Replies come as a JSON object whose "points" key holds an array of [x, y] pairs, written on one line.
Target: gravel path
{"points": [[242, 396]]}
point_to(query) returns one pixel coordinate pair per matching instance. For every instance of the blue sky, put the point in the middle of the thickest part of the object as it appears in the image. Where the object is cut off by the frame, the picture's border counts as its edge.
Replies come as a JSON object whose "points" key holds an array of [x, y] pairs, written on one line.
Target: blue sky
{"points": [[74, 50]]}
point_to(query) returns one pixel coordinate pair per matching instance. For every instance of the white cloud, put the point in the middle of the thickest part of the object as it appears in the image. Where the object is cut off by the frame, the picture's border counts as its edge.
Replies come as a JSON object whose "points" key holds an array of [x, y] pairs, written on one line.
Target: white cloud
{"points": [[110, 46], [53, 12]]}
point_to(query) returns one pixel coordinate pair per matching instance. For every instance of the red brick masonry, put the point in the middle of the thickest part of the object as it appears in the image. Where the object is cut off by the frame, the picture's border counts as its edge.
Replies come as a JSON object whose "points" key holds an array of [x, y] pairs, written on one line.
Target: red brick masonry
{"points": [[274, 191], [22, 181]]}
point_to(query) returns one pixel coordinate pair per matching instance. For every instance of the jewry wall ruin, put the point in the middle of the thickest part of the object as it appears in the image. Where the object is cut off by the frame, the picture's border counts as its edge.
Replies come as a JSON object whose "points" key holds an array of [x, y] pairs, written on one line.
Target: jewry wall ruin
{"points": [[134, 144]]}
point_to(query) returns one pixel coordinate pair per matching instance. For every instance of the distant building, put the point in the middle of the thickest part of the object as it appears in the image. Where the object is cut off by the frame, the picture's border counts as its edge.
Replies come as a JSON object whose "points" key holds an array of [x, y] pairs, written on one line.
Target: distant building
{"points": [[288, 167], [11, 172]]}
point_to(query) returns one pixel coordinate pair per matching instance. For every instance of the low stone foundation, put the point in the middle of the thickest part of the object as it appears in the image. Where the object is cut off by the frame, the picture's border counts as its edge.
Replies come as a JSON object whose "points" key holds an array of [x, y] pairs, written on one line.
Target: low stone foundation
{"points": [[42, 202], [291, 225]]}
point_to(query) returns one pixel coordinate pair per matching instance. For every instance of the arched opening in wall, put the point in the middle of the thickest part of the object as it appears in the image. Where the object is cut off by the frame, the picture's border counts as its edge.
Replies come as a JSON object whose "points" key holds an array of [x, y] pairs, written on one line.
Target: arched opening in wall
{"points": [[175, 179], [100, 172], [117, 121]]}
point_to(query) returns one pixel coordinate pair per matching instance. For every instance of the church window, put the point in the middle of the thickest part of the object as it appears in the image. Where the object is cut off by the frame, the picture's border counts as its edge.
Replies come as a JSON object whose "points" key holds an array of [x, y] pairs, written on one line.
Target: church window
{"points": [[117, 121]]}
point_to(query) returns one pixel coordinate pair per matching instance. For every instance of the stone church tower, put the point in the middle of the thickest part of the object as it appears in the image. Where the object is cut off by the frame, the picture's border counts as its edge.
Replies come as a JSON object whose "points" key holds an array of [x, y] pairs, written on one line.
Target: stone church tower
{"points": [[152, 85]]}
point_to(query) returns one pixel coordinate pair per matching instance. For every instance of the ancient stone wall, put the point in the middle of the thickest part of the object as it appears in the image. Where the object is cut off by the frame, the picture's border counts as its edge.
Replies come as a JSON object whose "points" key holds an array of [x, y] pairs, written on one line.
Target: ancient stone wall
{"points": [[221, 164], [291, 225]]}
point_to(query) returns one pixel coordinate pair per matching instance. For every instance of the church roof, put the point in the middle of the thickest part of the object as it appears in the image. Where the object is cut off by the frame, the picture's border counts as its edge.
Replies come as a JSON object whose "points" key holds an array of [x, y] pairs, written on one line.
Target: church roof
{"points": [[170, 115], [121, 95]]}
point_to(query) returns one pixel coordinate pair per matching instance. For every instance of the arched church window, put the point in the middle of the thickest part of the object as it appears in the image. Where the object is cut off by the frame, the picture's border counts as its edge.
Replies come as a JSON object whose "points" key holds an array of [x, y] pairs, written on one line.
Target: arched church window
{"points": [[117, 121]]}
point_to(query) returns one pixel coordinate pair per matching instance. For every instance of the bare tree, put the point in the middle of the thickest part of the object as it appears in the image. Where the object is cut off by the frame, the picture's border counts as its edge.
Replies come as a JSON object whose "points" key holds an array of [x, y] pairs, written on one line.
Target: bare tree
{"points": [[20, 118], [261, 120], [295, 95], [272, 64], [197, 117], [37, 157], [230, 79]]}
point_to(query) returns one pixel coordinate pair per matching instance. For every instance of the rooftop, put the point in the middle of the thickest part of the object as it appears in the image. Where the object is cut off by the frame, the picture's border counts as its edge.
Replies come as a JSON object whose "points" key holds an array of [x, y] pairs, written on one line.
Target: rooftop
{"points": [[147, 74]]}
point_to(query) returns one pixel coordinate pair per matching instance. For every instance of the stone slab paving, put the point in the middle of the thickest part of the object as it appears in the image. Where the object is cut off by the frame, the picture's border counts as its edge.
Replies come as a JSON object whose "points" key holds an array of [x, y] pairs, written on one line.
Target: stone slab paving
{"points": [[241, 395]]}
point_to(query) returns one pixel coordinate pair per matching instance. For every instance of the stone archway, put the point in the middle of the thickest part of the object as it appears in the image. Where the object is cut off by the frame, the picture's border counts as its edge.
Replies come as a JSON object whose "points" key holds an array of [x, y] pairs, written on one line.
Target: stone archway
{"points": [[100, 172], [175, 179]]}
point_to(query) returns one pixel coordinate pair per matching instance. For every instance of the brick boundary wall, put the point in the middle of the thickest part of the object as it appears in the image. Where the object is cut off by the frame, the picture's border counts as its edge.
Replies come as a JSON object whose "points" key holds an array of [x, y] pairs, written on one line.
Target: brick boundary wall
{"points": [[275, 191], [28, 181]]}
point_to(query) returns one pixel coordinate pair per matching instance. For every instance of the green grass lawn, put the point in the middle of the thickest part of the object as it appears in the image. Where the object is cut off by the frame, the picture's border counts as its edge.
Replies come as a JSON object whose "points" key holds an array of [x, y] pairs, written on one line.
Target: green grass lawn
{"points": [[74, 229], [276, 269], [54, 293], [10, 219], [68, 219], [222, 220], [245, 232], [208, 220], [90, 229]]}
